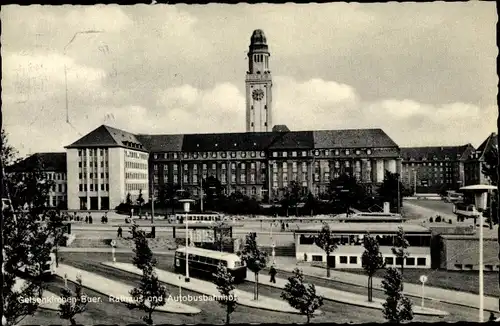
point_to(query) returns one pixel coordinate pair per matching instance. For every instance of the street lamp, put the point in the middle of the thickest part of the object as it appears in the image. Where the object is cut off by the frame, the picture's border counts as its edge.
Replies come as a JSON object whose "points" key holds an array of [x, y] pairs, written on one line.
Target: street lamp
{"points": [[480, 189], [186, 203]]}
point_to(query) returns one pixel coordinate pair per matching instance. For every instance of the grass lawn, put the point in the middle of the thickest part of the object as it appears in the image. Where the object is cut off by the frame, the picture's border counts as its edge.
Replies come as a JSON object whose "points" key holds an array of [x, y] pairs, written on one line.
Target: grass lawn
{"points": [[466, 281]]}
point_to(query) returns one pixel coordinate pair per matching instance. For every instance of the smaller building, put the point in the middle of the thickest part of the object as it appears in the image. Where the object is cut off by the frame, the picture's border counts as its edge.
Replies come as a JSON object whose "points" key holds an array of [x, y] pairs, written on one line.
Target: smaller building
{"points": [[53, 166], [461, 251], [350, 244], [475, 159]]}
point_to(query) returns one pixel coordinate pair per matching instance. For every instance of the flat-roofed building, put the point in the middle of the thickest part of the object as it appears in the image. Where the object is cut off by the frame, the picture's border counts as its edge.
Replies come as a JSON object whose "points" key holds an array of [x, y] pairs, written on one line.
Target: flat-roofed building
{"points": [[350, 244], [53, 166]]}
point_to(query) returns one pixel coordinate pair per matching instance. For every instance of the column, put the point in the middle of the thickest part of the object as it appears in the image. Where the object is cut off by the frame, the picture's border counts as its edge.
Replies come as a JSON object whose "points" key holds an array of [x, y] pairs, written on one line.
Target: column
{"points": [[392, 166], [357, 169], [87, 175], [380, 171], [366, 170], [99, 180]]}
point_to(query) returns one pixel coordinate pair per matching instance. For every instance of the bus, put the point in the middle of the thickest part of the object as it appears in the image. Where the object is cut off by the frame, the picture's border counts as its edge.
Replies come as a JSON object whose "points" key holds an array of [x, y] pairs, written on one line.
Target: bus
{"points": [[205, 218], [204, 262]]}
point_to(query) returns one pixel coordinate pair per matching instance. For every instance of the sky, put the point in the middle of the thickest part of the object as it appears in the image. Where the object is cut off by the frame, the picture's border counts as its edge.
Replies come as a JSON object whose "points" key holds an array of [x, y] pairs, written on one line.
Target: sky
{"points": [[423, 72]]}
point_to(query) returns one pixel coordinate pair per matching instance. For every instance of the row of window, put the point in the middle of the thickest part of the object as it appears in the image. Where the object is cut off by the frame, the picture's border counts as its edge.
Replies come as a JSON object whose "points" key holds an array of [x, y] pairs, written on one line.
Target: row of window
{"points": [[132, 154], [434, 158], [93, 187], [136, 165], [54, 201], [93, 164], [389, 261], [357, 240], [59, 187], [135, 186], [204, 167], [93, 175], [427, 164], [324, 152], [93, 152], [136, 176], [55, 176]]}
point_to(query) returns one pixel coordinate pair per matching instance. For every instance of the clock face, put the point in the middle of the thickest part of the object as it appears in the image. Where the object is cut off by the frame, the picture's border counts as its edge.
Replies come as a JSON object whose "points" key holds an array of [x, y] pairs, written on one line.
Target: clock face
{"points": [[258, 94]]}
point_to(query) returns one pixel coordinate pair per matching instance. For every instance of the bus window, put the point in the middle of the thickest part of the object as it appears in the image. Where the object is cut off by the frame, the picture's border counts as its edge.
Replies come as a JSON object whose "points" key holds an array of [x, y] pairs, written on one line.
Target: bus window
{"points": [[224, 263]]}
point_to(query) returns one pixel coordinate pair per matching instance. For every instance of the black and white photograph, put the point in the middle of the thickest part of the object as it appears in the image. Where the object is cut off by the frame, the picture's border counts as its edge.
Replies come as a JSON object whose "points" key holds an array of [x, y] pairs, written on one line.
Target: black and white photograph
{"points": [[170, 164]]}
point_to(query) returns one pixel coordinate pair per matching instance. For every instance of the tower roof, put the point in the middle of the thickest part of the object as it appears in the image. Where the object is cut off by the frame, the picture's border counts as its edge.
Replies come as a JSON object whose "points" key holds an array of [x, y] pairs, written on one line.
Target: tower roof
{"points": [[258, 41]]}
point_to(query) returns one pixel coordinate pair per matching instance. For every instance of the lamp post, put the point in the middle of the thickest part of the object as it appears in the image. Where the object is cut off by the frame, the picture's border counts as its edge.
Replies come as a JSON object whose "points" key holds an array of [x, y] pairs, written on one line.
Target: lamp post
{"points": [[186, 203]]}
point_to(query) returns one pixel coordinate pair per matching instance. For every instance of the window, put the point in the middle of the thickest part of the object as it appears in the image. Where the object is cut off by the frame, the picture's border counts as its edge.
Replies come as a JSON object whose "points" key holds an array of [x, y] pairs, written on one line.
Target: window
{"points": [[410, 261], [346, 152], [399, 261], [79, 175], [343, 260], [353, 260], [421, 261], [389, 260], [80, 187], [243, 154], [233, 154], [317, 258], [252, 154], [284, 154], [262, 154]]}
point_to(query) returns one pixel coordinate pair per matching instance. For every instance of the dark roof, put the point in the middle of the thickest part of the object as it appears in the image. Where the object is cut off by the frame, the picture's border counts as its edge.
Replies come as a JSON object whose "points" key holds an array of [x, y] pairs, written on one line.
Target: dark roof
{"points": [[53, 162], [227, 141], [280, 128], [293, 140], [352, 138], [105, 136], [162, 143], [487, 145], [435, 152]]}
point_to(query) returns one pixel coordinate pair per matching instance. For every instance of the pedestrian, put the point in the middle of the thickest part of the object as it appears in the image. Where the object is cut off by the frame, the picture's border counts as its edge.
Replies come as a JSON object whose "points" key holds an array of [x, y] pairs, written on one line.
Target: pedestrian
{"points": [[106, 217], [492, 317], [90, 219], [272, 272], [119, 232], [86, 219], [102, 219], [286, 226]]}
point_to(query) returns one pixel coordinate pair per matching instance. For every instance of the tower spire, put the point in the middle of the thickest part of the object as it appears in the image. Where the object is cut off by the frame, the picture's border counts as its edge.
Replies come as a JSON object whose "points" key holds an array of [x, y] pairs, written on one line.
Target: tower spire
{"points": [[258, 85]]}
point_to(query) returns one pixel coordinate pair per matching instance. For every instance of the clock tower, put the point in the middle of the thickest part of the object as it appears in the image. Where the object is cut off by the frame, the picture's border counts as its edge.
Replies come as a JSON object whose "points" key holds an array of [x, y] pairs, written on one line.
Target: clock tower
{"points": [[258, 84]]}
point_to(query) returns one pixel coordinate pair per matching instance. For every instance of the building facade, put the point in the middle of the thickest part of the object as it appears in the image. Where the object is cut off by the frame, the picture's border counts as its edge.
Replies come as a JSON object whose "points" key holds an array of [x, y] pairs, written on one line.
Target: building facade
{"points": [[258, 85], [473, 164], [104, 167], [350, 248], [53, 166], [431, 169]]}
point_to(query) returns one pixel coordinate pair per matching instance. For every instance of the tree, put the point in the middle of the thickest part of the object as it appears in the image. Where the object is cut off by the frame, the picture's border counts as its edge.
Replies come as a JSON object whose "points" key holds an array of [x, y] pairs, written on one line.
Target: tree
{"points": [[254, 258], [150, 294], [225, 285], [311, 203], [388, 191], [327, 242], [371, 260], [400, 249], [293, 194], [345, 192], [397, 307], [140, 202], [8, 153], [489, 166], [26, 244], [57, 230], [213, 190], [74, 302], [301, 296]]}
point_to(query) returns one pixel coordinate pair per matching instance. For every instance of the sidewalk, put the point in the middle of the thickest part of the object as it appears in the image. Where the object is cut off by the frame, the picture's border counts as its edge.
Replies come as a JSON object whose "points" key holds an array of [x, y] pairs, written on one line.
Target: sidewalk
{"points": [[346, 297], [117, 291], [431, 293], [49, 300], [244, 298], [108, 250]]}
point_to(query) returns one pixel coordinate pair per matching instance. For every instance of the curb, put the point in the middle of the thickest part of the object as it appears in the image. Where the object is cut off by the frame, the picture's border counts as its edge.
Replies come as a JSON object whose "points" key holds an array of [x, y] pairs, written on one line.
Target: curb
{"points": [[294, 311], [461, 304]]}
